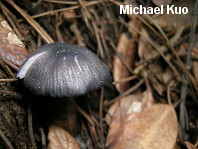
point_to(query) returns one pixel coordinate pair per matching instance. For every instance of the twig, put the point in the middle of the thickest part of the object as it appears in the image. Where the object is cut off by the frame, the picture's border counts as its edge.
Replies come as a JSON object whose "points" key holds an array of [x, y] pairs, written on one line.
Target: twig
{"points": [[9, 63], [66, 9], [100, 49], [30, 126], [61, 2], [75, 30], [168, 94], [115, 2], [12, 20], [88, 118], [32, 22], [183, 117], [8, 80], [8, 70], [189, 75], [149, 26], [156, 47], [105, 45], [87, 136], [125, 79], [121, 58], [192, 37], [169, 44], [101, 118], [86, 15], [93, 133], [133, 88], [164, 49], [37, 3], [183, 108], [95, 120], [5, 139], [43, 138]]}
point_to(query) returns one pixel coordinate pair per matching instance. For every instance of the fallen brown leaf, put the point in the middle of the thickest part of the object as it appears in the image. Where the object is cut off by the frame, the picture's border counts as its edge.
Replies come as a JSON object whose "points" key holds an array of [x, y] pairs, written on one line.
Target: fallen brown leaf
{"points": [[119, 109], [121, 106], [153, 128], [61, 139], [125, 49]]}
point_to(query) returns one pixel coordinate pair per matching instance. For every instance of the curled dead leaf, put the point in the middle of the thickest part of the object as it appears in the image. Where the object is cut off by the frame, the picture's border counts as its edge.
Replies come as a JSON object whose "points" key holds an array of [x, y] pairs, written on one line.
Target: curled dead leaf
{"points": [[11, 47], [14, 54], [125, 51], [61, 139]]}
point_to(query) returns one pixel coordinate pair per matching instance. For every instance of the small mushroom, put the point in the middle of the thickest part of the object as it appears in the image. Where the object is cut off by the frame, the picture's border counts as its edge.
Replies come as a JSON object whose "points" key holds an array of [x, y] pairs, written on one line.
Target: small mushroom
{"points": [[63, 70]]}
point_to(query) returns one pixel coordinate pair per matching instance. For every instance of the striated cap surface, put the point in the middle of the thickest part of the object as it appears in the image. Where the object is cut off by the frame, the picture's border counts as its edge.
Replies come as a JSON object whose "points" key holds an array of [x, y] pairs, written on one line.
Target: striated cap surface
{"points": [[63, 70]]}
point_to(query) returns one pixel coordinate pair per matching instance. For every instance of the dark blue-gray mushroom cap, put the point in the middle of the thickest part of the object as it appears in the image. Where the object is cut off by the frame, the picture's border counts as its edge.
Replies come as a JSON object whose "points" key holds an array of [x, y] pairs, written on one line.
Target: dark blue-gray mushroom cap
{"points": [[63, 70]]}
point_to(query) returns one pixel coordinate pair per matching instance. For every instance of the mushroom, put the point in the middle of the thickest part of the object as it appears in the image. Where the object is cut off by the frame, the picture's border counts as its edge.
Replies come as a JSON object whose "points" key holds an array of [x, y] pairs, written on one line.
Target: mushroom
{"points": [[63, 70]]}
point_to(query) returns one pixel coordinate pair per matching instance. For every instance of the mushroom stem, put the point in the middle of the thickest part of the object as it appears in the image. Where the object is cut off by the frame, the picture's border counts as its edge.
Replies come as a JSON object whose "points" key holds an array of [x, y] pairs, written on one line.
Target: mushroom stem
{"points": [[59, 112]]}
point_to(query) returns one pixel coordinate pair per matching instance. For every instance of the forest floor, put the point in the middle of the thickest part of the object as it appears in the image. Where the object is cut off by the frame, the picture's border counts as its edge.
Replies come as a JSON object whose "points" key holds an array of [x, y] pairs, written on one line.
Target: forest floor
{"points": [[151, 101]]}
